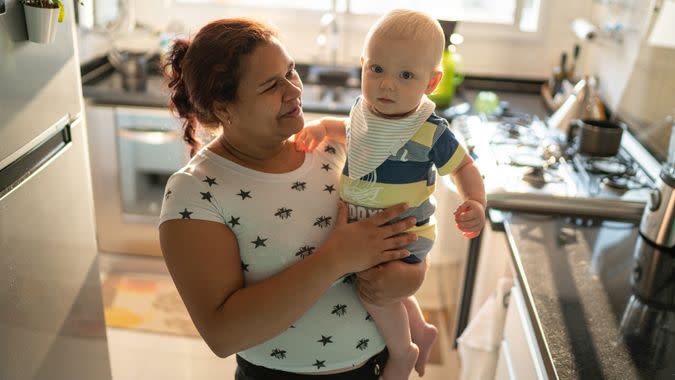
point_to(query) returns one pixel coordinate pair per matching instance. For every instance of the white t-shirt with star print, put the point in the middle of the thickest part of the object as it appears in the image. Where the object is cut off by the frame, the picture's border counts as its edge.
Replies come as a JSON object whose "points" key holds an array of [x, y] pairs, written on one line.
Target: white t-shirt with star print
{"points": [[278, 220]]}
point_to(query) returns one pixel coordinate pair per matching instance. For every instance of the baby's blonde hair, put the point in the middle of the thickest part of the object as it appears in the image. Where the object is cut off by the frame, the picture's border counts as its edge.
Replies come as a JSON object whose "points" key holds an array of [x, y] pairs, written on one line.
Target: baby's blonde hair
{"points": [[409, 25]]}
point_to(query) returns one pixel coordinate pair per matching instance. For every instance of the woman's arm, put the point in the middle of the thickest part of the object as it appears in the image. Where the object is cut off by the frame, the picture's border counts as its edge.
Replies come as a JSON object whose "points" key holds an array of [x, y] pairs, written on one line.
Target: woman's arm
{"points": [[390, 282], [203, 259]]}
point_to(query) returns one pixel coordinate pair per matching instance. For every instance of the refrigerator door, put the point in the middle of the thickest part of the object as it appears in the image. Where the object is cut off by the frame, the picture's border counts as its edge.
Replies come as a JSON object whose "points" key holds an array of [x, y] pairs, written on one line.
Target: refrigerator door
{"points": [[39, 83], [51, 311]]}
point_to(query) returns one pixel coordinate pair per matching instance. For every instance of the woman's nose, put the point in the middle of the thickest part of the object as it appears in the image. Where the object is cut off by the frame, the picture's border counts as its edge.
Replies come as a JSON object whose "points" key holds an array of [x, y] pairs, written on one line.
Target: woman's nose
{"points": [[293, 89]]}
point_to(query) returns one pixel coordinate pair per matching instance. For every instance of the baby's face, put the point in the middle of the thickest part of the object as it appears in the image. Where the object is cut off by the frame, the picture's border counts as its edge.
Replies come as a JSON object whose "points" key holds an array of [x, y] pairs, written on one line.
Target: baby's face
{"points": [[396, 74]]}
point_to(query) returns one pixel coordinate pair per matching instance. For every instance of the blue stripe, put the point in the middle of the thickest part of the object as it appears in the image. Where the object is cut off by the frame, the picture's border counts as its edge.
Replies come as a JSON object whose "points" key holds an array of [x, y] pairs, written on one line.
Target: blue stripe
{"points": [[400, 172]]}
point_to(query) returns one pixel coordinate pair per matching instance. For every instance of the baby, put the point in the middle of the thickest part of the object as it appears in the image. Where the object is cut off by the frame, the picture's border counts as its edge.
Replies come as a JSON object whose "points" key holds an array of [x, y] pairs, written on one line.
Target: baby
{"points": [[395, 144]]}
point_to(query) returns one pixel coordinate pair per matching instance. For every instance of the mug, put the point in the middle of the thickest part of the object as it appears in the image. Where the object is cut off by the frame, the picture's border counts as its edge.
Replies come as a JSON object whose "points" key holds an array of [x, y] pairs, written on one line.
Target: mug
{"points": [[601, 138]]}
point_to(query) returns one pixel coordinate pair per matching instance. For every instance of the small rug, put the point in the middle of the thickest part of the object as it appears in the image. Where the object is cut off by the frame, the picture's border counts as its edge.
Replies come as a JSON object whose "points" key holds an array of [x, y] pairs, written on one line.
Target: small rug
{"points": [[145, 302], [150, 302]]}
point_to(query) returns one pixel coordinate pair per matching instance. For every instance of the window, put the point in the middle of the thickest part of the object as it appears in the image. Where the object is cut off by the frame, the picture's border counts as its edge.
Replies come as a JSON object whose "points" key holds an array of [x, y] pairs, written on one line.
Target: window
{"points": [[522, 15]]}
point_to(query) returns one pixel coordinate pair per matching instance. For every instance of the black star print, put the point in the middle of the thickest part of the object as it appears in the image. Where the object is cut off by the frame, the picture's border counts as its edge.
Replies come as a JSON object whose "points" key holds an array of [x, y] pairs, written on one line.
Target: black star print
{"points": [[206, 195], [234, 221], [339, 310], [368, 317], [244, 194], [279, 354], [210, 181], [259, 242], [299, 186], [319, 363], [283, 213], [166, 196], [186, 214], [363, 344], [325, 340], [329, 149], [325, 167], [329, 188], [305, 251], [323, 221], [244, 267]]}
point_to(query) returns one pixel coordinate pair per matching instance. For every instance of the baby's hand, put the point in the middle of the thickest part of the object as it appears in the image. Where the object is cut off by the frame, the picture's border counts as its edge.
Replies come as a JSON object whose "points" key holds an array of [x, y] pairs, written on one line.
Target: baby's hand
{"points": [[470, 218], [310, 136]]}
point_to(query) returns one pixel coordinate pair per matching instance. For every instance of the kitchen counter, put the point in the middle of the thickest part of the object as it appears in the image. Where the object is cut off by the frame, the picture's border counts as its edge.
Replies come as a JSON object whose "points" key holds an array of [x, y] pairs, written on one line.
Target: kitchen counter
{"points": [[575, 278]]}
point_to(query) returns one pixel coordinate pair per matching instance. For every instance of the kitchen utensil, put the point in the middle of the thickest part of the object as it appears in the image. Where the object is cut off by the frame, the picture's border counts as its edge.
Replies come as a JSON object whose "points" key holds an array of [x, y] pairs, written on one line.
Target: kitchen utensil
{"points": [[599, 138]]}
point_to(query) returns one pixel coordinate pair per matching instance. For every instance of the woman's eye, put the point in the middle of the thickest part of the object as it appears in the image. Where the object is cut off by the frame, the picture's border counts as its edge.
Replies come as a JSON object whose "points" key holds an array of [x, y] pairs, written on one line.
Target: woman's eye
{"points": [[291, 74], [376, 69], [406, 75]]}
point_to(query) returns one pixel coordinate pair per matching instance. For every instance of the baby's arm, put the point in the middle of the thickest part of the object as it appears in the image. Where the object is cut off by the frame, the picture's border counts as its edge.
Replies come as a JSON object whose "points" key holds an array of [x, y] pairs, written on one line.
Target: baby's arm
{"points": [[314, 132], [470, 215]]}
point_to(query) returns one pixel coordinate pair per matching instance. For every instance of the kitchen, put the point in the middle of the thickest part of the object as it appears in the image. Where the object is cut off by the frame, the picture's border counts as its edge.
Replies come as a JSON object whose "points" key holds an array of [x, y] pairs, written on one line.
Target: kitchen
{"points": [[569, 302]]}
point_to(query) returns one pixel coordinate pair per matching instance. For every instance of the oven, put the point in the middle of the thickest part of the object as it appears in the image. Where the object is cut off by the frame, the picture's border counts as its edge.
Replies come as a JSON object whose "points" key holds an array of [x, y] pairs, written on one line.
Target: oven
{"points": [[133, 152]]}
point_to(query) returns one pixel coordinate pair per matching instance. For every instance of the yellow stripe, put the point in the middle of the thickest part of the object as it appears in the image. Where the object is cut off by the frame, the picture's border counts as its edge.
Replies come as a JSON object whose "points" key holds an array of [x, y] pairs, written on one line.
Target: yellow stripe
{"points": [[427, 231], [453, 162], [381, 195], [425, 134]]}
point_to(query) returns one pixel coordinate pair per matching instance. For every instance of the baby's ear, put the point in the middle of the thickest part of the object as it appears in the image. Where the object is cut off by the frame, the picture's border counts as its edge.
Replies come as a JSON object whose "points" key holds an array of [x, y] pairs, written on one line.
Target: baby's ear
{"points": [[433, 82]]}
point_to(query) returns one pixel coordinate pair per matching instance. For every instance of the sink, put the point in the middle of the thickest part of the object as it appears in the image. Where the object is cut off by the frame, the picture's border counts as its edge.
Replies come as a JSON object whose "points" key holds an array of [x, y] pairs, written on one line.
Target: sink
{"points": [[329, 89]]}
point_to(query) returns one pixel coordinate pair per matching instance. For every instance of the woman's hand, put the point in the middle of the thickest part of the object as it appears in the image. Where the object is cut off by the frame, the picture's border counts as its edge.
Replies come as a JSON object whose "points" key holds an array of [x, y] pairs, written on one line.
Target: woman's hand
{"points": [[390, 282], [470, 218], [361, 245], [310, 136]]}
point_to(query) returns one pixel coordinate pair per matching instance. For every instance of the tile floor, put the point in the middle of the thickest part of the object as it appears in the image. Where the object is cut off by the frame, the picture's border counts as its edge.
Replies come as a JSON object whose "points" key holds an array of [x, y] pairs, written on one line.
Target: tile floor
{"points": [[149, 356]]}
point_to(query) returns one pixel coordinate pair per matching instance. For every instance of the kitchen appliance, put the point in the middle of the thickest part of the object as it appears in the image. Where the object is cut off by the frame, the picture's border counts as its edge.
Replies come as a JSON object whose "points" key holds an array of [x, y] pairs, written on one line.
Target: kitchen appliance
{"points": [[51, 311], [649, 317]]}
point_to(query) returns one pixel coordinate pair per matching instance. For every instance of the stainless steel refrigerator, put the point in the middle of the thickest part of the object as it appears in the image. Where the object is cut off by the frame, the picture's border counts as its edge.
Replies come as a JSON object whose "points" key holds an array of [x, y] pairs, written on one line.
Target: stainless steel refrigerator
{"points": [[51, 312]]}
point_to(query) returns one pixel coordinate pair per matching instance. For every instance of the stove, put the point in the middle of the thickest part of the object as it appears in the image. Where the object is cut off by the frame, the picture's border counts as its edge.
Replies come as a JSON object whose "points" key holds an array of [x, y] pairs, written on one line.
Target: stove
{"points": [[529, 167]]}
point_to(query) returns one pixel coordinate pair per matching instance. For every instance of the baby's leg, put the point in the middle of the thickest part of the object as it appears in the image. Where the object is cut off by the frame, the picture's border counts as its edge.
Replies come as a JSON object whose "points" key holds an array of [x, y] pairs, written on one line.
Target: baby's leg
{"points": [[423, 333], [392, 322]]}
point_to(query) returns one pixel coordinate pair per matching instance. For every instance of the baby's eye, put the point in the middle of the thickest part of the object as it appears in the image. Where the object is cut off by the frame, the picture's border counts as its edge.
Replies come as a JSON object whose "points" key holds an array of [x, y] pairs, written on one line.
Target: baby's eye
{"points": [[376, 69], [406, 75]]}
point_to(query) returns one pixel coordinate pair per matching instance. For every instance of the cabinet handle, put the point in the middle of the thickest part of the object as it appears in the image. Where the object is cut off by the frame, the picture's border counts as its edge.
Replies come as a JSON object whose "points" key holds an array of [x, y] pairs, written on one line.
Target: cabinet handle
{"points": [[150, 136]]}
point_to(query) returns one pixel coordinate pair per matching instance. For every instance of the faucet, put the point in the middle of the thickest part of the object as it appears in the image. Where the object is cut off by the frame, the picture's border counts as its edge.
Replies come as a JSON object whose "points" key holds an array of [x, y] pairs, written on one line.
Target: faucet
{"points": [[329, 29]]}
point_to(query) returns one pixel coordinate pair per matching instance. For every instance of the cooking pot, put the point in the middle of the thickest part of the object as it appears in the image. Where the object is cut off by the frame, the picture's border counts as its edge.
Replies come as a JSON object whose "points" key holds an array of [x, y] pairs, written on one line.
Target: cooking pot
{"points": [[600, 138]]}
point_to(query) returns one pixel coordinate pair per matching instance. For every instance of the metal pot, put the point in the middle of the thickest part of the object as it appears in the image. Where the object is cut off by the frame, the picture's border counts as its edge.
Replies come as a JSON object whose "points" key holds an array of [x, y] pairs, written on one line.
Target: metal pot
{"points": [[600, 138]]}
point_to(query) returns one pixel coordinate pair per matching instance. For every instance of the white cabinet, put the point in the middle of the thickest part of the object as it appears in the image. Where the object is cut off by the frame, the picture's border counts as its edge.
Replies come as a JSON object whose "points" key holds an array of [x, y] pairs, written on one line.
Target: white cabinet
{"points": [[519, 354]]}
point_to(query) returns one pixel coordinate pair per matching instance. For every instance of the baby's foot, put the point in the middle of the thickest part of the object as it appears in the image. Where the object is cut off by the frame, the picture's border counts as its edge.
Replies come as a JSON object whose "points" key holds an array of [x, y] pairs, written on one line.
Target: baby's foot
{"points": [[399, 368], [424, 342]]}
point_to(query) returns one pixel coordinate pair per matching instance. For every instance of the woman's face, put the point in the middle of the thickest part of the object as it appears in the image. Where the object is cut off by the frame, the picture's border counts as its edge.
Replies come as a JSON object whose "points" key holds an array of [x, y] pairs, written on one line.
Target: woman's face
{"points": [[268, 106]]}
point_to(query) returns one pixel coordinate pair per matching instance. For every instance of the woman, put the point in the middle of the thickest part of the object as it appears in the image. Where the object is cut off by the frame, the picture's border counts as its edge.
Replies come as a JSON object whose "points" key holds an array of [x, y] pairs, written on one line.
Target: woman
{"points": [[252, 230]]}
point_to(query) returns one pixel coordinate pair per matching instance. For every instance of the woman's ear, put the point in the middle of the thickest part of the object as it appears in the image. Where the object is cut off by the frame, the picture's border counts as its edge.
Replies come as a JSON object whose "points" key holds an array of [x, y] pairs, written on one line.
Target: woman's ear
{"points": [[433, 82]]}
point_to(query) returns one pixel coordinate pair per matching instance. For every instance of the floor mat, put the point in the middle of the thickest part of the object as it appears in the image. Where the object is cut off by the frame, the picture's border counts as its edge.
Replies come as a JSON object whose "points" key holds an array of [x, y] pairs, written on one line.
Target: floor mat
{"points": [[145, 302]]}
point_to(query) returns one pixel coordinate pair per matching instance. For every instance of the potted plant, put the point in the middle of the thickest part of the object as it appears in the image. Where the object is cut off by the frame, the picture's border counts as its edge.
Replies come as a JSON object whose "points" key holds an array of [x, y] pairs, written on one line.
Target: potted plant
{"points": [[41, 19]]}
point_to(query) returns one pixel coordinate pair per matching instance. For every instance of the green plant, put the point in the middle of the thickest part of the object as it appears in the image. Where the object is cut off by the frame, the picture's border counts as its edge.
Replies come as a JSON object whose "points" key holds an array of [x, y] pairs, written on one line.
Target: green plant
{"points": [[49, 4]]}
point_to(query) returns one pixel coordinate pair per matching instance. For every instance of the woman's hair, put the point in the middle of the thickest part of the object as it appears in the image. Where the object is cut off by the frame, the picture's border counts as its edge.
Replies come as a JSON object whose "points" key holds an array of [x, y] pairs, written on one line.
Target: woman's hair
{"points": [[409, 25], [205, 72]]}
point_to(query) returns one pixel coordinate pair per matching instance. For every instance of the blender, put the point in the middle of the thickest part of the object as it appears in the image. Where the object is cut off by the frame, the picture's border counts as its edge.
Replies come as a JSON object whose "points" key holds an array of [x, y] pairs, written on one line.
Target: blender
{"points": [[648, 323]]}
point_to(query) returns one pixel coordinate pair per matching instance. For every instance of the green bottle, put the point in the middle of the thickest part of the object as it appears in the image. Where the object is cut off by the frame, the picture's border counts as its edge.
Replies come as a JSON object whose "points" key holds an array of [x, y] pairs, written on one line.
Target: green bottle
{"points": [[445, 90]]}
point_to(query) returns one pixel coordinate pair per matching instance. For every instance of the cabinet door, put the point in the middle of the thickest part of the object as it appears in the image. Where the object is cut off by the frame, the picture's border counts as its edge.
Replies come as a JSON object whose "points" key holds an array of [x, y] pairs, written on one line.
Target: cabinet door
{"points": [[519, 337]]}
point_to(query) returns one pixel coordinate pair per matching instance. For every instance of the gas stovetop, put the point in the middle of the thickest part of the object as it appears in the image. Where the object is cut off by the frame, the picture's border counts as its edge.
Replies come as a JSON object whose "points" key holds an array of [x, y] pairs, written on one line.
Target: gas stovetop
{"points": [[529, 167]]}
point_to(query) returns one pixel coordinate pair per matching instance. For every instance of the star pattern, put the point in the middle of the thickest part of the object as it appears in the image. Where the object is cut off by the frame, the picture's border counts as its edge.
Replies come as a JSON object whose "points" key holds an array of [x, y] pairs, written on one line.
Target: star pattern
{"points": [[325, 340], [299, 186], [207, 195], [168, 192], [323, 221], [259, 242], [329, 188], [329, 149], [305, 251], [362, 344], [244, 267], [319, 363], [339, 310], [283, 213], [185, 214], [210, 181], [234, 221], [244, 194], [278, 353], [325, 167]]}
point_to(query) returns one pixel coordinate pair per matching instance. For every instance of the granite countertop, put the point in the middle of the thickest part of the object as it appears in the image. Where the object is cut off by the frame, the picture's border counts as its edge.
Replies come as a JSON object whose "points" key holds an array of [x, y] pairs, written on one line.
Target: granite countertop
{"points": [[575, 278]]}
